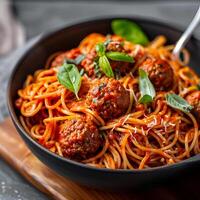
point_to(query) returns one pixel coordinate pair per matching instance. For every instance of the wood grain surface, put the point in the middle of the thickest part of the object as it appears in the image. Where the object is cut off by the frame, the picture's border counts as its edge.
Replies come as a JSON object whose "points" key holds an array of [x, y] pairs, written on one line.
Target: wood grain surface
{"points": [[16, 153]]}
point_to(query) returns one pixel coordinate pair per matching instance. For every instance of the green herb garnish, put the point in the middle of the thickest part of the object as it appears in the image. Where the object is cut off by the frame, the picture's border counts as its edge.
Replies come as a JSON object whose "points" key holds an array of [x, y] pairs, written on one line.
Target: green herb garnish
{"points": [[178, 102], [100, 49], [82, 71], [118, 56], [105, 66], [69, 76], [108, 40], [146, 88], [76, 61], [101, 86], [104, 63], [129, 31], [79, 59], [97, 70], [94, 100]]}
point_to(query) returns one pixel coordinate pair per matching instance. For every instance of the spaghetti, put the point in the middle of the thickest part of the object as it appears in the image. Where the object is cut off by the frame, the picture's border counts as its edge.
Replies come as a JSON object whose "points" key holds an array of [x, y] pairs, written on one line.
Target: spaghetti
{"points": [[121, 134]]}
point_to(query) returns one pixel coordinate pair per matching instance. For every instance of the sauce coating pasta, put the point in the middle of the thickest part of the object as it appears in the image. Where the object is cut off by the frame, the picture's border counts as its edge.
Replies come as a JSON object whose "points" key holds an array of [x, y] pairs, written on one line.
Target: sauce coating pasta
{"points": [[108, 127]]}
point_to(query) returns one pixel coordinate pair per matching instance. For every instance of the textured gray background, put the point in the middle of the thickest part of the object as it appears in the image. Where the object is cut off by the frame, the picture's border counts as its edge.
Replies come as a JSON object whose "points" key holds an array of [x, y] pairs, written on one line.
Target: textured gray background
{"points": [[40, 16]]}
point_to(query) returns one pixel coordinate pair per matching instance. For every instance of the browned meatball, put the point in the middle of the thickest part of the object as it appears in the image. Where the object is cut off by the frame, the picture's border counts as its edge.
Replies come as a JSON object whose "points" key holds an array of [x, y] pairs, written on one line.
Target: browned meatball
{"points": [[194, 100], [115, 46], [119, 68], [160, 73], [79, 138], [88, 63], [108, 98]]}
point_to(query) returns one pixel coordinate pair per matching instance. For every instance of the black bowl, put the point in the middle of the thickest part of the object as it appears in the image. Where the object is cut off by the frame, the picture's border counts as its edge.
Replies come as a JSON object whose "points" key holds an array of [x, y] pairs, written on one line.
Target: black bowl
{"points": [[67, 38]]}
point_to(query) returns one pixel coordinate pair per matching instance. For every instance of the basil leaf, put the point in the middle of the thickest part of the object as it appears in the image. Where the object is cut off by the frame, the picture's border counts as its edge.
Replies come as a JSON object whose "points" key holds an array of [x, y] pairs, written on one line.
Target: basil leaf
{"points": [[69, 61], [118, 56], [146, 99], [97, 70], [100, 49], [107, 42], [129, 31], [69, 76], [82, 71], [76, 61], [79, 59], [105, 66], [178, 102], [146, 88]]}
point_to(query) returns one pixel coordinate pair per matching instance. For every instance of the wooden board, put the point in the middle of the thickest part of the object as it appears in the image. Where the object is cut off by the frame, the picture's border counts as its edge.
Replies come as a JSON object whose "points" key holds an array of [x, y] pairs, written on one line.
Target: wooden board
{"points": [[15, 152]]}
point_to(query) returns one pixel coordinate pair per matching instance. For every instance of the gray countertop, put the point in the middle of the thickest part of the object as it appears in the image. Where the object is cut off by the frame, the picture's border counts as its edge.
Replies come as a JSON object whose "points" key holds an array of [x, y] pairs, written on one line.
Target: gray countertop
{"points": [[40, 17]]}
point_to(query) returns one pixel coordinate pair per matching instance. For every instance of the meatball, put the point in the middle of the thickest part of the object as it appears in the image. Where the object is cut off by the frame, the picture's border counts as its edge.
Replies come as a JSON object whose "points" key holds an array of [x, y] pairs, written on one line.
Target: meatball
{"points": [[194, 100], [79, 138], [88, 63], [160, 73], [119, 68], [115, 46], [108, 98], [138, 53]]}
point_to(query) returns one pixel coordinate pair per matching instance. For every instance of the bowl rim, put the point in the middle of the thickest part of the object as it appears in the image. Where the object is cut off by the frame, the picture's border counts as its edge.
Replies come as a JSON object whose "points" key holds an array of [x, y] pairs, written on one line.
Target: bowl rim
{"points": [[46, 36]]}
